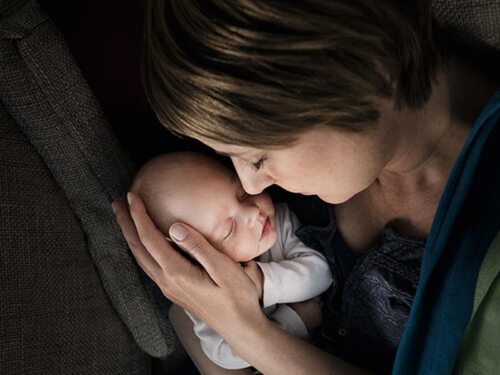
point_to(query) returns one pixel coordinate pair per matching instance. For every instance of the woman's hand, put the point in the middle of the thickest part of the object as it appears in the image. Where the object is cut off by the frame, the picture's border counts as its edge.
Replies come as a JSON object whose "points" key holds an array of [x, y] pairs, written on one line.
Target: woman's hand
{"points": [[217, 290]]}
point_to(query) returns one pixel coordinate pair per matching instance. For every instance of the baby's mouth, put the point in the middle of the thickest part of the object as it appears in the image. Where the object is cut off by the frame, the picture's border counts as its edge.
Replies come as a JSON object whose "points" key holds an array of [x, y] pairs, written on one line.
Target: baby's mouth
{"points": [[265, 228]]}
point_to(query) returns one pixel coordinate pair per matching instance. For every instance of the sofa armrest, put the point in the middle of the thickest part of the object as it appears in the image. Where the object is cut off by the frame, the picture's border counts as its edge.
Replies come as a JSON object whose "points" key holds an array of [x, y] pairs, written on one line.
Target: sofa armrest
{"points": [[44, 92]]}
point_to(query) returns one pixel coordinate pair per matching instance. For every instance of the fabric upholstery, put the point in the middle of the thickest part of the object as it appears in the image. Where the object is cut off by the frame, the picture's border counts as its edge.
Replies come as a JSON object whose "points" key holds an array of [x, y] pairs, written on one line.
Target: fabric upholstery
{"points": [[470, 22], [45, 94], [8, 7], [55, 316]]}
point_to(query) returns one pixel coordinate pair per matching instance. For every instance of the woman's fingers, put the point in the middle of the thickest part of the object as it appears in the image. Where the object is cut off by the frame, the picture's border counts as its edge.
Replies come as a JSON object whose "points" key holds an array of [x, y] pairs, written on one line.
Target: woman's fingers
{"points": [[169, 269], [154, 242], [203, 289], [145, 260], [214, 262]]}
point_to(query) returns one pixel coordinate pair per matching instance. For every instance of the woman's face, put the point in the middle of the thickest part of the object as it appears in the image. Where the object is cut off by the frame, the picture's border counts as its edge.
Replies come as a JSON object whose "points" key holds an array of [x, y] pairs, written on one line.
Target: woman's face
{"points": [[331, 163]]}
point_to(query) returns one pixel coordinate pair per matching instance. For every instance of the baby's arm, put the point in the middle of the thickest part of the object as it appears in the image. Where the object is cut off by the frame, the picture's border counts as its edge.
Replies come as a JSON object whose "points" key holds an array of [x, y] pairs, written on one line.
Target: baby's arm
{"points": [[304, 273]]}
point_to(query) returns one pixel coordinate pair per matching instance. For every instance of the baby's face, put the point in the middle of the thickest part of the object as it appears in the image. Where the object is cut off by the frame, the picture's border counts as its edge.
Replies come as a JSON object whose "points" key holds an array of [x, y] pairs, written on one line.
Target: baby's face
{"points": [[240, 225]]}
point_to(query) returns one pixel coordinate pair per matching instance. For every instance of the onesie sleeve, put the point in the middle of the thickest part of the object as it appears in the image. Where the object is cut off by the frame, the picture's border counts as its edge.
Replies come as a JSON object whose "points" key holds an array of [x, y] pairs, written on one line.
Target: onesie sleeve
{"points": [[215, 347], [301, 273]]}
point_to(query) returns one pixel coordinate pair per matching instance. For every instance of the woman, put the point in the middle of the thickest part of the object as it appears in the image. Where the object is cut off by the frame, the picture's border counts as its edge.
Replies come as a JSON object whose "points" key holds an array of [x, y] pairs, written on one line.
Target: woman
{"points": [[352, 102]]}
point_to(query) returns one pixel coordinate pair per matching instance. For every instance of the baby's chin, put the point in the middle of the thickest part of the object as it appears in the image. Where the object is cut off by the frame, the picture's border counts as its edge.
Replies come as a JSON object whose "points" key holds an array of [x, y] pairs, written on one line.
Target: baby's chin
{"points": [[264, 246], [268, 241]]}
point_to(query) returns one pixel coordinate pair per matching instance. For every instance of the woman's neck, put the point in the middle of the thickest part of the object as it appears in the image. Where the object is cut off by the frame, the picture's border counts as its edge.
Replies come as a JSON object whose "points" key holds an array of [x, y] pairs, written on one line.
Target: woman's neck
{"points": [[431, 138], [423, 146]]}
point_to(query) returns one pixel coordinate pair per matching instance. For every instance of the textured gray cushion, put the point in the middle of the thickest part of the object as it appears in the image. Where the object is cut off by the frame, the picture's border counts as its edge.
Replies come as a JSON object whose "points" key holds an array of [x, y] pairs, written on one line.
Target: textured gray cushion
{"points": [[8, 7], [55, 316], [470, 22], [44, 92]]}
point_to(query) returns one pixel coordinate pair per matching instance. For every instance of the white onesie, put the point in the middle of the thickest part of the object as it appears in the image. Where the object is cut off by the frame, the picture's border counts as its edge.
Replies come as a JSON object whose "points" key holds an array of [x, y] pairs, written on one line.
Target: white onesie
{"points": [[292, 273]]}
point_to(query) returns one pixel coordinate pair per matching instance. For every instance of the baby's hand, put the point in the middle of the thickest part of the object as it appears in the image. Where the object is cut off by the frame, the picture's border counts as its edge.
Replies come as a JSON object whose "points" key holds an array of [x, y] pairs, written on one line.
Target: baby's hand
{"points": [[254, 272], [309, 311]]}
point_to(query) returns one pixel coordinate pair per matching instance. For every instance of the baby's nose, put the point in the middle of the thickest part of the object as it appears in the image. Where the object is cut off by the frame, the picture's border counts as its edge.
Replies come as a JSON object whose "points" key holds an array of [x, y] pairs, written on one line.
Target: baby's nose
{"points": [[253, 215]]}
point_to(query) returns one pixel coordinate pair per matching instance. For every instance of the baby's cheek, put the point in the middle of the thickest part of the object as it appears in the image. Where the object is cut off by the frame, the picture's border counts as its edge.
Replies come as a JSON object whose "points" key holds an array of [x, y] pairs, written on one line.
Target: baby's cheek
{"points": [[235, 249], [227, 248]]}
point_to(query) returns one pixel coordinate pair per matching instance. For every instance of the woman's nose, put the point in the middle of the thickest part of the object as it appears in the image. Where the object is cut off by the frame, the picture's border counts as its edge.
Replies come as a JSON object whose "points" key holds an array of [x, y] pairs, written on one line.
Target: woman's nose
{"points": [[252, 182], [253, 186]]}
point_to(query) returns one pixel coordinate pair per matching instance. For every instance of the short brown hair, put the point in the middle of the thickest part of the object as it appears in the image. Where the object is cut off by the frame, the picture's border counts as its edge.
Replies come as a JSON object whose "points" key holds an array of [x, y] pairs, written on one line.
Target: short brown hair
{"points": [[260, 72]]}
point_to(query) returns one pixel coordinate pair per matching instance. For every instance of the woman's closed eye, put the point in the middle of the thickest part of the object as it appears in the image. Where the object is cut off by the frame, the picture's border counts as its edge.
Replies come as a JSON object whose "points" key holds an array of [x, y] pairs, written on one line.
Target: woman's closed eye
{"points": [[259, 163]]}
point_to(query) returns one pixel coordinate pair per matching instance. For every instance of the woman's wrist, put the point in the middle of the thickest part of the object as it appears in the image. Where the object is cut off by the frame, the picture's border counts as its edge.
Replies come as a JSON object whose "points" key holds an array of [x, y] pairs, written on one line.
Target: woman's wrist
{"points": [[246, 328], [248, 335]]}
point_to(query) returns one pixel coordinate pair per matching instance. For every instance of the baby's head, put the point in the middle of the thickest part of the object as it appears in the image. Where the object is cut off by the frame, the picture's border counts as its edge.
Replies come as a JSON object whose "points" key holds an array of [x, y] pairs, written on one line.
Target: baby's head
{"points": [[201, 192]]}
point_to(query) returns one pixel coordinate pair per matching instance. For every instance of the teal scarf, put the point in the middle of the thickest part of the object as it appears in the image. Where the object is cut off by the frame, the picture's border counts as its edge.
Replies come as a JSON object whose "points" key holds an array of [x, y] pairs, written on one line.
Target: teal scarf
{"points": [[466, 223]]}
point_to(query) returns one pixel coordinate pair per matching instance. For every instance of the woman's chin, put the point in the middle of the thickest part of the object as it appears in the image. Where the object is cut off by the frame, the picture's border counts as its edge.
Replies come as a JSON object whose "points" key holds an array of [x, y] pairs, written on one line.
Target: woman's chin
{"points": [[335, 199]]}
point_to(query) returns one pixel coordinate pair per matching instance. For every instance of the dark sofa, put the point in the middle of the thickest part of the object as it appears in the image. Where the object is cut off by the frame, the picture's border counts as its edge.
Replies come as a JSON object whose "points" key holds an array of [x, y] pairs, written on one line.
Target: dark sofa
{"points": [[74, 125]]}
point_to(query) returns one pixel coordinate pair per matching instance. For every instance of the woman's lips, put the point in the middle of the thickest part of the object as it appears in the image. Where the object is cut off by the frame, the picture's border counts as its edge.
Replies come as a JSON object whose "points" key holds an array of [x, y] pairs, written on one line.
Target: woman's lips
{"points": [[266, 228]]}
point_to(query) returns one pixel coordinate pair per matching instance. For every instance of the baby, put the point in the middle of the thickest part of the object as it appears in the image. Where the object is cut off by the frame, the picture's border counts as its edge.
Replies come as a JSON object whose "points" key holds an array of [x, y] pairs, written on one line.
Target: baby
{"points": [[199, 191]]}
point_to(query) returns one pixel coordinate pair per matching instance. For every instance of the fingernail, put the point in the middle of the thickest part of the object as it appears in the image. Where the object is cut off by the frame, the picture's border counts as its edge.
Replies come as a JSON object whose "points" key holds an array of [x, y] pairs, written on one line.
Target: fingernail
{"points": [[178, 232], [113, 207], [129, 199]]}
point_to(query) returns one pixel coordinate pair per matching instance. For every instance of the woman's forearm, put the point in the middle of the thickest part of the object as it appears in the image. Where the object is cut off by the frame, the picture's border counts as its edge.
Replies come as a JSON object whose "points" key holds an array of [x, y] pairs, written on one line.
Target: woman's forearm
{"points": [[273, 351]]}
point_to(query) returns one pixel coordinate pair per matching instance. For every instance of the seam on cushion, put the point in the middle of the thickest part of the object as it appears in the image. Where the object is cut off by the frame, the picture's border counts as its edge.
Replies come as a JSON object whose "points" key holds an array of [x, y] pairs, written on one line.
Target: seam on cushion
{"points": [[33, 66]]}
